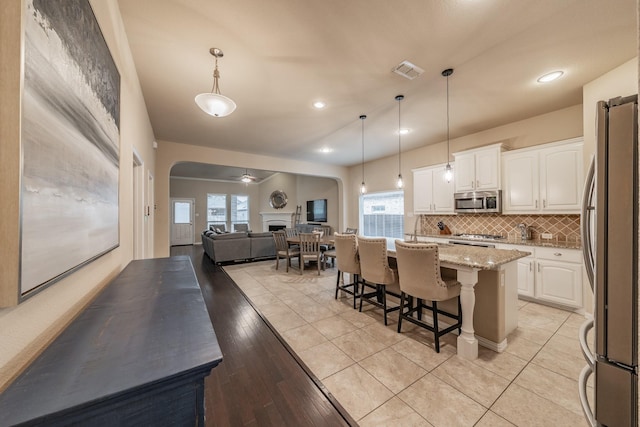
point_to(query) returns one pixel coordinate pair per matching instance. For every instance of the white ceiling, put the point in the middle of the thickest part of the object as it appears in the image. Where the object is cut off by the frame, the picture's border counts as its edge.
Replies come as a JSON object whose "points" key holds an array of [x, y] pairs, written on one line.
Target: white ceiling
{"points": [[281, 55]]}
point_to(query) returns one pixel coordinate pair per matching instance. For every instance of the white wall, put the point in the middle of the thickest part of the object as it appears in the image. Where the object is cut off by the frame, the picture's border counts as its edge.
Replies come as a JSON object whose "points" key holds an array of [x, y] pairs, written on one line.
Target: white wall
{"points": [[26, 329], [285, 182]]}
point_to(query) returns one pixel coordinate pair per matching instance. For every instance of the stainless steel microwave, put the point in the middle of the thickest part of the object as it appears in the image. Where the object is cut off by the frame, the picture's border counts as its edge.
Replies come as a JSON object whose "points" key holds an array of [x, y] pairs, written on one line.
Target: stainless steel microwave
{"points": [[478, 202]]}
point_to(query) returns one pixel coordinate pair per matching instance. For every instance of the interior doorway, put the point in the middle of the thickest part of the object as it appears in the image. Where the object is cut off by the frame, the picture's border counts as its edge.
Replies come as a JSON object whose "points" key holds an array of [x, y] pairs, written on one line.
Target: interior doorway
{"points": [[150, 215], [138, 207]]}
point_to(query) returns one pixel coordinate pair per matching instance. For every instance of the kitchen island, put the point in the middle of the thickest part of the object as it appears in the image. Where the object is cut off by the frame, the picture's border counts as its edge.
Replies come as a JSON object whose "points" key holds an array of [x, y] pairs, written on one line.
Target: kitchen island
{"points": [[493, 310]]}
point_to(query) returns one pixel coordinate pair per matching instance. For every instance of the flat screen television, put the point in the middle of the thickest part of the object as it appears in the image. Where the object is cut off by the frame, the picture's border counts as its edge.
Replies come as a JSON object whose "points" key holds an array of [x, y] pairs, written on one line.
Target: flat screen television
{"points": [[317, 210]]}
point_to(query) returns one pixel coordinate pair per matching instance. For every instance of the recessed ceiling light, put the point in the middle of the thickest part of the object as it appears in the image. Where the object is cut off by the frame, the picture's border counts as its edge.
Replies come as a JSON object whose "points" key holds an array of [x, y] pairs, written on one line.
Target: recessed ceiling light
{"points": [[319, 105], [404, 131], [326, 150], [549, 77]]}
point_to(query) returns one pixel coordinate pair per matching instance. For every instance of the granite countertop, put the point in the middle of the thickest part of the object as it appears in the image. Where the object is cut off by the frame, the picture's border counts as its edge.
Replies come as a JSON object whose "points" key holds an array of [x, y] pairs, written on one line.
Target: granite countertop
{"points": [[561, 244], [471, 256]]}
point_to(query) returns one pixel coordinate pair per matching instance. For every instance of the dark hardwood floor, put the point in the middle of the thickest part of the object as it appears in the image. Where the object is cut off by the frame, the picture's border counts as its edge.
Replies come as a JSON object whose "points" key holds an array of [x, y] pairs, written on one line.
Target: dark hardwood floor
{"points": [[260, 381]]}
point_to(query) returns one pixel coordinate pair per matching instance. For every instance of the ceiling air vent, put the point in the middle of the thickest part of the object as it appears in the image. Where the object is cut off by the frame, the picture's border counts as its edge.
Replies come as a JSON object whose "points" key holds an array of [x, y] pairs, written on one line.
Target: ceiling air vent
{"points": [[408, 70]]}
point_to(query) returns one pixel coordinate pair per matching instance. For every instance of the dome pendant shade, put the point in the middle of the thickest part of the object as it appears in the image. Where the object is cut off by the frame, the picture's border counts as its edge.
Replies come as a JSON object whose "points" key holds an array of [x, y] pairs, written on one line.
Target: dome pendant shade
{"points": [[215, 104]]}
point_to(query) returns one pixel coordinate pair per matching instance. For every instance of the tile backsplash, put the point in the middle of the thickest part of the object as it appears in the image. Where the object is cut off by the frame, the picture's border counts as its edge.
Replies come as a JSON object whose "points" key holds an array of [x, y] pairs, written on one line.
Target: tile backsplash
{"points": [[562, 227]]}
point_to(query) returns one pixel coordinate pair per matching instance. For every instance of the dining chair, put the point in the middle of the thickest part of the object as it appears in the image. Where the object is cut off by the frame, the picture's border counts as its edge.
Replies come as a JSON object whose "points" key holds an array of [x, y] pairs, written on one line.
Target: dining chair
{"points": [[310, 249], [329, 255], [326, 232], [420, 278], [292, 232], [283, 250], [348, 262], [377, 274]]}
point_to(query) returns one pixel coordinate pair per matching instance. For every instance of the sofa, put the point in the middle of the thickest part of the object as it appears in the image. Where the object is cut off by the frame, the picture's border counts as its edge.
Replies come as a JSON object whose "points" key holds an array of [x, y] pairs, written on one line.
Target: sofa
{"points": [[239, 246]]}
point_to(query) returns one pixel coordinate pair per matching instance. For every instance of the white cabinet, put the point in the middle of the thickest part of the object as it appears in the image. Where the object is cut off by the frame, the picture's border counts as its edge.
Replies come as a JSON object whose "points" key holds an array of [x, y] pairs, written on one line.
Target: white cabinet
{"points": [[465, 178], [543, 179], [559, 276], [432, 194], [520, 187], [526, 272], [422, 191], [478, 169], [550, 274], [561, 178]]}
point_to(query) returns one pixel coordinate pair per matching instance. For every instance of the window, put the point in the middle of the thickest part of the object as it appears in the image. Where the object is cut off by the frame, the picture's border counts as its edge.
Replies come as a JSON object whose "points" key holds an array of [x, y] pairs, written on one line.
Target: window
{"points": [[239, 210], [181, 213], [216, 209], [382, 214], [218, 213]]}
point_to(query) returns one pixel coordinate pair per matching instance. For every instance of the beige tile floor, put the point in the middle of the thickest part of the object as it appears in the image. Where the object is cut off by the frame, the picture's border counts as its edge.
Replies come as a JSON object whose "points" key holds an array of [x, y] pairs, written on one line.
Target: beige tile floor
{"points": [[384, 378]]}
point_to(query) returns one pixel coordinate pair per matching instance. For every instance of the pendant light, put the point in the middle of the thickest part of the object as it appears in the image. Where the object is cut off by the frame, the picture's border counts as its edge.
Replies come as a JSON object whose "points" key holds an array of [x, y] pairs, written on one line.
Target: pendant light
{"points": [[448, 174], [400, 182], [214, 103], [363, 188]]}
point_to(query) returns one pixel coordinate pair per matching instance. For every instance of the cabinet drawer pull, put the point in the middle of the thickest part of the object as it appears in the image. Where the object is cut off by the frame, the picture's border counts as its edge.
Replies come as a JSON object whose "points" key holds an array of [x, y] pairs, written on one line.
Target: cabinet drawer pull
{"points": [[530, 266], [538, 268], [536, 204], [557, 254], [544, 203]]}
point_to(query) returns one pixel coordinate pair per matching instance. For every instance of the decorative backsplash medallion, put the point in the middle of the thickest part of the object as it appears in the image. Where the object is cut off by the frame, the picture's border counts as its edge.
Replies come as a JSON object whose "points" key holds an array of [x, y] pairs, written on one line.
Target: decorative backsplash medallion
{"points": [[562, 227]]}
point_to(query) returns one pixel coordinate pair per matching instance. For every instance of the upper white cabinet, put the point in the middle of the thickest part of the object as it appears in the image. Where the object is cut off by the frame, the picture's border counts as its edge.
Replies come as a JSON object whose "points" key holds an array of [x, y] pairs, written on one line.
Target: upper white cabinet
{"points": [[521, 181], [432, 194], [543, 179], [478, 169]]}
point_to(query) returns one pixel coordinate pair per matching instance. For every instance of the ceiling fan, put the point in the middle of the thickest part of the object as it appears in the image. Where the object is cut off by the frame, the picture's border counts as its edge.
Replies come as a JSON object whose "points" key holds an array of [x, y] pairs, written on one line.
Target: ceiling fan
{"points": [[246, 177]]}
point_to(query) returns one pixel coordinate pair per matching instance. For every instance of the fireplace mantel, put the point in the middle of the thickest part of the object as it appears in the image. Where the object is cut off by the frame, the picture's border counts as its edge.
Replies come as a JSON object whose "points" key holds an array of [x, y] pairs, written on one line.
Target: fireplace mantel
{"points": [[277, 218]]}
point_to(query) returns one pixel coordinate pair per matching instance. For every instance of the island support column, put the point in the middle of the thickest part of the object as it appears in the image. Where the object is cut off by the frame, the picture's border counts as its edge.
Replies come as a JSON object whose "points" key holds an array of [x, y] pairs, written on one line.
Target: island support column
{"points": [[467, 342]]}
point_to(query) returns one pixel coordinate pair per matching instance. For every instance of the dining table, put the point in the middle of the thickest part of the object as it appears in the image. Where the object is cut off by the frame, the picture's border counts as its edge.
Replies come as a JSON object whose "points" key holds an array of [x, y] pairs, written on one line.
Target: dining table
{"points": [[324, 240]]}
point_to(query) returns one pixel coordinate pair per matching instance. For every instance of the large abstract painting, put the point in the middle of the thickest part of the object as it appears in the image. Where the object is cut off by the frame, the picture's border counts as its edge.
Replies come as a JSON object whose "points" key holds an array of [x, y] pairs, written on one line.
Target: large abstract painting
{"points": [[70, 142]]}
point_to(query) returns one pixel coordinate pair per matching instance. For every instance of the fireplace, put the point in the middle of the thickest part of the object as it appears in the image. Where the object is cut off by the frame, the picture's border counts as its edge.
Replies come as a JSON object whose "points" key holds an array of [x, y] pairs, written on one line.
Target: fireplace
{"points": [[276, 227], [282, 219]]}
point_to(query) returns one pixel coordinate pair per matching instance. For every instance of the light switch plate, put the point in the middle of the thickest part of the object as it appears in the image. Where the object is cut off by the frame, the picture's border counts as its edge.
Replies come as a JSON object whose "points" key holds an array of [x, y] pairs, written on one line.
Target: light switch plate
{"points": [[546, 236]]}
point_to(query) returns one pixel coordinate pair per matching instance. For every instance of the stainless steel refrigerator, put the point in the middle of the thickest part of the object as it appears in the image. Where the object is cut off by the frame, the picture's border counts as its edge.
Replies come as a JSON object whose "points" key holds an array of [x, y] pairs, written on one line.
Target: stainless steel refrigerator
{"points": [[610, 246]]}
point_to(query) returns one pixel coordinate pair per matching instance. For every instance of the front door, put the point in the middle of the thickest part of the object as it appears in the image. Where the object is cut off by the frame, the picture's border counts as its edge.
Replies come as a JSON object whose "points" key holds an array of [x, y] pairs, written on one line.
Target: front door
{"points": [[182, 222]]}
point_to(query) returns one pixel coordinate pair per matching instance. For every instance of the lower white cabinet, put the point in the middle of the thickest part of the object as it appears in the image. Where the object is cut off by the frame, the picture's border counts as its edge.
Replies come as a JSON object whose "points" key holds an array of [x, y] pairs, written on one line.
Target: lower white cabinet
{"points": [[526, 271], [559, 276], [550, 274]]}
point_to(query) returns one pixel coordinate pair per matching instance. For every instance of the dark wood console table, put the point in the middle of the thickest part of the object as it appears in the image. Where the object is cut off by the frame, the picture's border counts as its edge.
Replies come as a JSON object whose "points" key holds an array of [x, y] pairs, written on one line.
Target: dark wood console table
{"points": [[137, 355]]}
